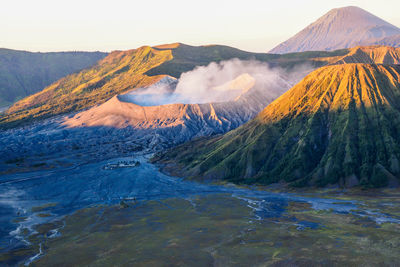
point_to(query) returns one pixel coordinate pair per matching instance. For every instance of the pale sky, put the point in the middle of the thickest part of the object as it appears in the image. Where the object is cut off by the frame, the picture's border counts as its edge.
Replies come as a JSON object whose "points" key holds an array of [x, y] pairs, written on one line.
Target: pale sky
{"points": [[90, 25]]}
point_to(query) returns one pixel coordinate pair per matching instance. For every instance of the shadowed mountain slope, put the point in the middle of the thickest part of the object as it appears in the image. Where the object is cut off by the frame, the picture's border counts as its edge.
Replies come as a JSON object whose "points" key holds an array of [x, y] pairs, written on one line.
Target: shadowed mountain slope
{"points": [[339, 125], [23, 73], [339, 28]]}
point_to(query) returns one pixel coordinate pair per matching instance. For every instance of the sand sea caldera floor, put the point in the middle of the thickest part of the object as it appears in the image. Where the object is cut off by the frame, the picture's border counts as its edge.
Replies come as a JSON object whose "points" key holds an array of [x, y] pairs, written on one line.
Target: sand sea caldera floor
{"points": [[88, 215]]}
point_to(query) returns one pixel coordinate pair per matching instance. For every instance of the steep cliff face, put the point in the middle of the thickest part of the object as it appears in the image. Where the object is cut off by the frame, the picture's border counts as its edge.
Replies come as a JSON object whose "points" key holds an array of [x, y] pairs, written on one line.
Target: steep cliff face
{"points": [[339, 125], [339, 28]]}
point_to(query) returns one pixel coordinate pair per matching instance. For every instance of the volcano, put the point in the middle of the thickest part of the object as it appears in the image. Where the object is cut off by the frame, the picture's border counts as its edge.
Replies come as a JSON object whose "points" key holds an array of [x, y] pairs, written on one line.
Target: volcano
{"points": [[149, 114], [340, 28]]}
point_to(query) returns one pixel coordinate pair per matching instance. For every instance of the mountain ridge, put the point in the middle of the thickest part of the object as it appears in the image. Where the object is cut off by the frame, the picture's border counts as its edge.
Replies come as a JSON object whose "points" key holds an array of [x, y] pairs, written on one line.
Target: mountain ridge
{"points": [[23, 73], [122, 71], [338, 126], [370, 55], [119, 71]]}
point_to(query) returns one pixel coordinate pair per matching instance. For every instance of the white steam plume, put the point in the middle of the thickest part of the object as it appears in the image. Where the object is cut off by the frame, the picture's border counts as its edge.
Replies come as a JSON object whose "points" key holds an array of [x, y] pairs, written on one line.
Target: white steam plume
{"points": [[217, 82]]}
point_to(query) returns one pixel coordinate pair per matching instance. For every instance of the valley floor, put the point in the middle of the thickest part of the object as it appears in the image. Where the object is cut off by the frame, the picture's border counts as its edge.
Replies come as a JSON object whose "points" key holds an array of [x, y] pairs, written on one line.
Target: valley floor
{"points": [[90, 215], [73, 197]]}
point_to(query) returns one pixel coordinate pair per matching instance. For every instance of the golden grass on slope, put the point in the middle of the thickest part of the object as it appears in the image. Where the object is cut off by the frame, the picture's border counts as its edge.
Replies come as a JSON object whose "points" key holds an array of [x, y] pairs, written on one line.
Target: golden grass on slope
{"points": [[333, 87], [117, 73]]}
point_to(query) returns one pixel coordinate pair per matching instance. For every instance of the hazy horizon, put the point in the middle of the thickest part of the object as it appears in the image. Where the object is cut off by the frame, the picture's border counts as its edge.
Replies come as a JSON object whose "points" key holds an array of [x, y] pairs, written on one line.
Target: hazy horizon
{"points": [[257, 26]]}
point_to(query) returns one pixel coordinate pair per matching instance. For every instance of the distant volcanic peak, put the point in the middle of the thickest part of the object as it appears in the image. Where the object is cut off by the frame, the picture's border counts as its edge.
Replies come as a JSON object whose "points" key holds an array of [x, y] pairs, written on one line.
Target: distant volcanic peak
{"points": [[334, 87], [339, 28], [353, 14]]}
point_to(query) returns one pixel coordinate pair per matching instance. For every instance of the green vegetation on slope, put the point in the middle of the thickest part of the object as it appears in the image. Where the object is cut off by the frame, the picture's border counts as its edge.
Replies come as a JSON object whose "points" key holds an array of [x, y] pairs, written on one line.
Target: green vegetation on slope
{"points": [[339, 125], [121, 71], [24, 73]]}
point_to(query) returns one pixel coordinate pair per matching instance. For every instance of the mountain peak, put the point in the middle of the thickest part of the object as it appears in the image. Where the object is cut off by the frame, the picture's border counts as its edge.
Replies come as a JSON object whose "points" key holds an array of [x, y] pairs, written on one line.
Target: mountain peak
{"points": [[339, 28], [348, 9], [353, 14]]}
